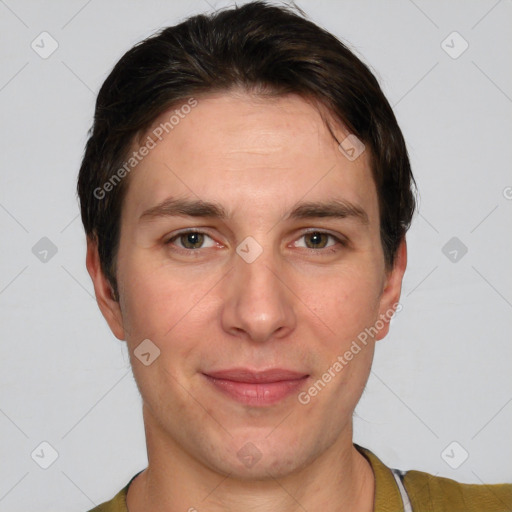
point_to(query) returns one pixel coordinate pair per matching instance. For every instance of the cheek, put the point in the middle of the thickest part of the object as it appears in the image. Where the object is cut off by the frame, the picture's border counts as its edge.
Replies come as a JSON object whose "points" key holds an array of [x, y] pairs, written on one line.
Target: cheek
{"points": [[163, 305], [347, 300], [166, 312], [143, 304]]}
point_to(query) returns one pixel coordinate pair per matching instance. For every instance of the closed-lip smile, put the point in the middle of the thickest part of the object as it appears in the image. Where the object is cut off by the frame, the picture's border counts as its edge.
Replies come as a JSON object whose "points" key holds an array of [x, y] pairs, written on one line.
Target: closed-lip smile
{"points": [[256, 388]]}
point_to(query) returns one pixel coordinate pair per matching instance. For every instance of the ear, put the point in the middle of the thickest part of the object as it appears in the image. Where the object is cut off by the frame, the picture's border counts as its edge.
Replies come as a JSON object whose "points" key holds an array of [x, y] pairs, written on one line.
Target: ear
{"points": [[104, 294], [392, 289]]}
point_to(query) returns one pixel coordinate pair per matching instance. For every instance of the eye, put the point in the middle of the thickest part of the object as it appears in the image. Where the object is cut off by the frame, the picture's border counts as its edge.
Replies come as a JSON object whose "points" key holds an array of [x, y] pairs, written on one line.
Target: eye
{"points": [[191, 240], [318, 240]]}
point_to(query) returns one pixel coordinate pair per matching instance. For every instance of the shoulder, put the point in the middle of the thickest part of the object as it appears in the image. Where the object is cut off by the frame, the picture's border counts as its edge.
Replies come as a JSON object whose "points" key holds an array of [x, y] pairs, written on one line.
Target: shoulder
{"points": [[116, 504], [429, 493]]}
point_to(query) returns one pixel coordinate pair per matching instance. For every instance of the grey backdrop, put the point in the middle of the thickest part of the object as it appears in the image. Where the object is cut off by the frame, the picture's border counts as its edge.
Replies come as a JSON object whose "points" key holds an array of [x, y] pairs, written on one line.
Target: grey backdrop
{"points": [[439, 396]]}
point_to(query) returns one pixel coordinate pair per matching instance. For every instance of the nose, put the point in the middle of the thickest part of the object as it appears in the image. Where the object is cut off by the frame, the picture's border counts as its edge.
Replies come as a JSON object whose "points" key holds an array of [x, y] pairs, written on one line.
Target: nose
{"points": [[258, 303]]}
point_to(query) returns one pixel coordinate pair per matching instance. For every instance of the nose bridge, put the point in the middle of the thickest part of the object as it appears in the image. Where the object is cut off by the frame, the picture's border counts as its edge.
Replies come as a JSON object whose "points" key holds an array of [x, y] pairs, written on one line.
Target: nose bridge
{"points": [[259, 305]]}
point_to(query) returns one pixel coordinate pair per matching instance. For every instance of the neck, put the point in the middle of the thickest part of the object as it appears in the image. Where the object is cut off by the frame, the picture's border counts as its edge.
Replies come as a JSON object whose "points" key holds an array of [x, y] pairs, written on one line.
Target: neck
{"points": [[338, 480]]}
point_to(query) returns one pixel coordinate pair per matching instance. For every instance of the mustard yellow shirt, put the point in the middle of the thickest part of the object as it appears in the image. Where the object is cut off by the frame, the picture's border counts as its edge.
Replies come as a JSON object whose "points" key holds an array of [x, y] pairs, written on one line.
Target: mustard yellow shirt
{"points": [[426, 493]]}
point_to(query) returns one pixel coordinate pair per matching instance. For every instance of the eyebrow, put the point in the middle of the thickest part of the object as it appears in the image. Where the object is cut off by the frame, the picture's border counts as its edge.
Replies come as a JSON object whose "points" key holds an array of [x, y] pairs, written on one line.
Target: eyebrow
{"points": [[335, 208]]}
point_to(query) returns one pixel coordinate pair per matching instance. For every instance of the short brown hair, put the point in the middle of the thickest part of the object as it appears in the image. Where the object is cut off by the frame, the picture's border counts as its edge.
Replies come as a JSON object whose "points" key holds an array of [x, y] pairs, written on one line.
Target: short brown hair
{"points": [[258, 47]]}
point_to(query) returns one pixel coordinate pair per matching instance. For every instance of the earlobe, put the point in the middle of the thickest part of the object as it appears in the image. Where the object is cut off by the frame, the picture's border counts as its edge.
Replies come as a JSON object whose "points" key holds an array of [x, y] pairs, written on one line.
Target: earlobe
{"points": [[105, 296], [392, 289]]}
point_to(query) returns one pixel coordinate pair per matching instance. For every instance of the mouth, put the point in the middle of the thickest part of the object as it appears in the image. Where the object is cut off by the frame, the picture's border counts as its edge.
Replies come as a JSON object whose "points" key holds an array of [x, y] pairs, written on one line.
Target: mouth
{"points": [[256, 388]]}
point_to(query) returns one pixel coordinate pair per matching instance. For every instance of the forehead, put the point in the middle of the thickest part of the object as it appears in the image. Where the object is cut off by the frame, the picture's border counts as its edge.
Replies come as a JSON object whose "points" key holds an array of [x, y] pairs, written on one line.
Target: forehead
{"points": [[235, 147]]}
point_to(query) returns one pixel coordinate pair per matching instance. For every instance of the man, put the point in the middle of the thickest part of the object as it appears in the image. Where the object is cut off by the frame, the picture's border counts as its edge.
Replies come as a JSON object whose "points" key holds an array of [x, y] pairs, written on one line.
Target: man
{"points": [[245, 193]]}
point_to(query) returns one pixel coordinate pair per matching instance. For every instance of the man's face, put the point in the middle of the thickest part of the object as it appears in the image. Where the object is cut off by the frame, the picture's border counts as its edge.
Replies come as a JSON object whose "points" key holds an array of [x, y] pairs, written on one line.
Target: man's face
{"points": [[208, 305]]}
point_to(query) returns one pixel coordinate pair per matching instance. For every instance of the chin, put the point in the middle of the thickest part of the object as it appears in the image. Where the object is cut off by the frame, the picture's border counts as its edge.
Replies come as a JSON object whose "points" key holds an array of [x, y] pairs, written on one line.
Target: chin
{"points": [[260, 459]]}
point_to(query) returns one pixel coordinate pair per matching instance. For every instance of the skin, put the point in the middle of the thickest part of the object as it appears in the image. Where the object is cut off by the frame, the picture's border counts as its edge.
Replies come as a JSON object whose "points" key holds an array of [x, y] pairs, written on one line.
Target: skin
{"points": [[296, 306]]}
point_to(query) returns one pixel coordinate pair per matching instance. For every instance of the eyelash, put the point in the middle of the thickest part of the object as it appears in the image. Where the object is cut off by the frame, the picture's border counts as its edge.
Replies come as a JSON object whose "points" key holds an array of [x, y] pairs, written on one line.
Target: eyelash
{"points": [[329, 249]]}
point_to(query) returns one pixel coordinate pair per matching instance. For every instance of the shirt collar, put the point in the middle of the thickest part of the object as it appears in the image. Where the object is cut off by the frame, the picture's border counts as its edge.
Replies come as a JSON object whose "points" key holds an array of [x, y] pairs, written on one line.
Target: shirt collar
{"points": [[387, 496]]}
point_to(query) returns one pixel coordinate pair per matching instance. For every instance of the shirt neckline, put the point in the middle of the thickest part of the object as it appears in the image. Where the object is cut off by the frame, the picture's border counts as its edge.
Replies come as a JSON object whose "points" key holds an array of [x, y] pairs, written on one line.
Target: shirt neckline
{"points": [[387, 496]]}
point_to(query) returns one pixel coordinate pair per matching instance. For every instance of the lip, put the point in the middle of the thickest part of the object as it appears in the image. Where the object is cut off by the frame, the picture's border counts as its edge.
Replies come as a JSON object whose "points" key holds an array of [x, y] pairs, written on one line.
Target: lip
{"points": [[257, 388]]}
